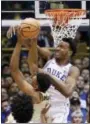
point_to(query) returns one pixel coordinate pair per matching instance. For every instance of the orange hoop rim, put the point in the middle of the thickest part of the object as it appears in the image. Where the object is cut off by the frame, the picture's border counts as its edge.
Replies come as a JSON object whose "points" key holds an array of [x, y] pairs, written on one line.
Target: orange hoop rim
{"points": [[63, 10], [59, 14]]}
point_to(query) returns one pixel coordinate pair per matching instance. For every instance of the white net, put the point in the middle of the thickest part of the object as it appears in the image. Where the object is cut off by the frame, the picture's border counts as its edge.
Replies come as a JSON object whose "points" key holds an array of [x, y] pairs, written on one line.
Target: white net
{"points": [[62, 24]]}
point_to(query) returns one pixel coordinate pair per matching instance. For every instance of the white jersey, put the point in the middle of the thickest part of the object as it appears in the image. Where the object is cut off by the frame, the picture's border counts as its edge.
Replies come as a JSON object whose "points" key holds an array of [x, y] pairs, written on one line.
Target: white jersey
{"points": [[59, 103]]}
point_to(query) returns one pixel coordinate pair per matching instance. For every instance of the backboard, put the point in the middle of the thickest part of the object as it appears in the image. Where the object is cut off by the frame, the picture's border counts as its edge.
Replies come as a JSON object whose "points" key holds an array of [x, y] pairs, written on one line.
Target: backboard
{"points": [[41, 6]]}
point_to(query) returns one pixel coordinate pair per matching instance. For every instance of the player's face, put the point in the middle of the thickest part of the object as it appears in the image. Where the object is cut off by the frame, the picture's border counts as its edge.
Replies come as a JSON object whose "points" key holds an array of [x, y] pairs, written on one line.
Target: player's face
{"points": [[62, 50]]}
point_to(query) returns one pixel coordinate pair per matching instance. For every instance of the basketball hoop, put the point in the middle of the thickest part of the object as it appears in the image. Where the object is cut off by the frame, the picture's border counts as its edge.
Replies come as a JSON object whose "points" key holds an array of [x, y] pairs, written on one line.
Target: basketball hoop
{"points": [[60, 22]]}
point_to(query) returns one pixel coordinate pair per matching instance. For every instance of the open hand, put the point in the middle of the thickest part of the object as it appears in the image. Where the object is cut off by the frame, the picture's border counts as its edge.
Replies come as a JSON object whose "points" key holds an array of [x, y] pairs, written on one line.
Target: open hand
{"points": [[12, 31], [46, 108]]}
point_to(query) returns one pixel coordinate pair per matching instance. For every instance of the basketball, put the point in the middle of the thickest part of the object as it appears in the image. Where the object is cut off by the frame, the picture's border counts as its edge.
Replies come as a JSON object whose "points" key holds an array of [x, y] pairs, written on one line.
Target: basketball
{"points": [[29, 28]]}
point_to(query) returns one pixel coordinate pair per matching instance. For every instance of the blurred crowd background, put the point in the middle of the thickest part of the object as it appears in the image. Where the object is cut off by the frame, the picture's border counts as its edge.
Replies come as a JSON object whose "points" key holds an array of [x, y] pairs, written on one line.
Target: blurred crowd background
{"points": [[80, 99]]}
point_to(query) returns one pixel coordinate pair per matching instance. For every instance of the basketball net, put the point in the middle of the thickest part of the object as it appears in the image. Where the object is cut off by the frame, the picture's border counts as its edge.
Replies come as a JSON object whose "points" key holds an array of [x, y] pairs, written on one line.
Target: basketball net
{"points": [[61, 22]]}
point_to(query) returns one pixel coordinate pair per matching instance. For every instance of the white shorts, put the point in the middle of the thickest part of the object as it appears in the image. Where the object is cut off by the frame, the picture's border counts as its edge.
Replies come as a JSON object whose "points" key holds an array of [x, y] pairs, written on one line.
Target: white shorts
{"points": [[58, 114], [60, 118]]}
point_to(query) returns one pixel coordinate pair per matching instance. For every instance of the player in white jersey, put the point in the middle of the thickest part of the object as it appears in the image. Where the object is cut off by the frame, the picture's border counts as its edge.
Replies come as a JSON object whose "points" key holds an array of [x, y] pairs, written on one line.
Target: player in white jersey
{"points": [[62, 74], [62, 71]]}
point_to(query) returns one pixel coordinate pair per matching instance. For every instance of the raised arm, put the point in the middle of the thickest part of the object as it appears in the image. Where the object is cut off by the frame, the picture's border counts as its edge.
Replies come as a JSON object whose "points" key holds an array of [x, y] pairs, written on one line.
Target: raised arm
{"points": [[33, 52], [67, 87], [44, 52], [33, 57], [18, 76]]}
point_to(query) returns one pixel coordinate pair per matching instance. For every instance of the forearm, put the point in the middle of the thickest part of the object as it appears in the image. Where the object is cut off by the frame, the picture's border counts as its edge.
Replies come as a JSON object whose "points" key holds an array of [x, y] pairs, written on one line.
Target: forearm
{"points": [[43, 118], [59, 85], [33, 59], [14, 64], [44, 52]]}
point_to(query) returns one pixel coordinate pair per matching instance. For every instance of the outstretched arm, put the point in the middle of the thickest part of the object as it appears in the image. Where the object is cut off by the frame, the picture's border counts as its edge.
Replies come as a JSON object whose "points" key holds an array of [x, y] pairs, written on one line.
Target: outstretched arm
{"points": [[18, 76], [67, 87], [33, 57], [44, 52], [64, 87]]}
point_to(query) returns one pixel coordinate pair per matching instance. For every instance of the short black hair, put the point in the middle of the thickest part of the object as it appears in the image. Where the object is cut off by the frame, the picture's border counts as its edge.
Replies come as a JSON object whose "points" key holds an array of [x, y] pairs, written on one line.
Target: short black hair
{"points": [[44, 82], [72, 43], [74, 101], [22, 108]]}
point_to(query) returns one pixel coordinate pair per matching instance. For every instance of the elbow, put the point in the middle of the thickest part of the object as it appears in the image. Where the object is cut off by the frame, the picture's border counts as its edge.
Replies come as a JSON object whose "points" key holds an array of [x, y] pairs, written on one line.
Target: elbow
{"points": [[67, 94], [12, 67]]}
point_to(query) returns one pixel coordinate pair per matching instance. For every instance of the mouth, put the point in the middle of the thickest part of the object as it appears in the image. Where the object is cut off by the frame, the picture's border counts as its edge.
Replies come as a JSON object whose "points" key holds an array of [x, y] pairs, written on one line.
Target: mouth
{"points": [[57, 54]]}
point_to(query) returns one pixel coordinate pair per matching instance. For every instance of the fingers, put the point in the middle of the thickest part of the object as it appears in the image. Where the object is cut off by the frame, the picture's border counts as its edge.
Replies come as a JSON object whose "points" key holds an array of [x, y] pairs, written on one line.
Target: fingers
{"points": [[46, 108], [9, 33], [12, 31]]}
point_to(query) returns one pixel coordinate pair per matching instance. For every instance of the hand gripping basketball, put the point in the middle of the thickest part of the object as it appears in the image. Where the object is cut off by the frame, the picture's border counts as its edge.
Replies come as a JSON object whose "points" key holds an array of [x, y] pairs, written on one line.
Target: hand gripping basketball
{"points": [[30, 28]]}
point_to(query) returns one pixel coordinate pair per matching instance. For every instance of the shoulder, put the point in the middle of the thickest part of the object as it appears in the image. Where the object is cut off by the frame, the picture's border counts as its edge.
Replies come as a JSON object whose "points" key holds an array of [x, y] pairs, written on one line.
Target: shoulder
{"points": [[74, 71], [74, 68], [47, 63]]}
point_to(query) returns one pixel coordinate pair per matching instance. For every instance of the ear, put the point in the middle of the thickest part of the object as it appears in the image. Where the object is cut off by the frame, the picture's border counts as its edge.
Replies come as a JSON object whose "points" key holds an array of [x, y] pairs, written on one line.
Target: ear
{"points": [[34, 82]]}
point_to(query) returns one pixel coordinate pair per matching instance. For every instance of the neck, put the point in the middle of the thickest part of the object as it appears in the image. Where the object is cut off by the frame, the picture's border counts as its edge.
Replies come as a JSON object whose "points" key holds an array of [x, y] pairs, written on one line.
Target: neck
{"points": [[62, 61]]}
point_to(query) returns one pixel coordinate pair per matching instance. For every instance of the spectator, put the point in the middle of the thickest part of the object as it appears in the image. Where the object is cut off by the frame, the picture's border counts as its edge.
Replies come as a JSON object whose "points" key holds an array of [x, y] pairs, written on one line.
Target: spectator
{"points": [[24, 67], [8, 81], [5, 110], [80, 84], [3, 85], [85, 75], [23, 58], [13, 89], [84, 95], [88, 107], [76, 106], [75, 94], [85, 63], [4, 94], [78, 64], [6, 69], [86, 88], [27, 74], [77, 117]]}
